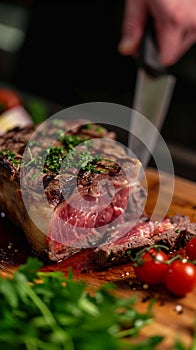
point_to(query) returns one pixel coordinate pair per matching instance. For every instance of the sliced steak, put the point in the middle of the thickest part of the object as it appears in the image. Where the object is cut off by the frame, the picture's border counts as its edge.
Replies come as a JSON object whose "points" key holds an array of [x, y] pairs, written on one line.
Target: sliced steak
{"points": [[172, 232], [71, 185]]}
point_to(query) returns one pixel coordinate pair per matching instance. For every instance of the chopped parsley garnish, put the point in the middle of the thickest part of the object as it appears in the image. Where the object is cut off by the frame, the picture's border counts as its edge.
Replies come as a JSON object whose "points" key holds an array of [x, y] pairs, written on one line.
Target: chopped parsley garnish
{"points": [[70, 141], [11, 156], [83, 160], [57, 122], [54, 159], [100, 129], [59, 159], [88, 126], [62, 155]]}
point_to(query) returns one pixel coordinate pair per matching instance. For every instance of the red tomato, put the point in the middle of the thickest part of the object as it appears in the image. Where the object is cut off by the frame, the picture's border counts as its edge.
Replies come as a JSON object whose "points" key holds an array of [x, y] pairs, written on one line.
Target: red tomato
{"points": [[181, 277], [8, 99], [153, 268], [191, 249]]}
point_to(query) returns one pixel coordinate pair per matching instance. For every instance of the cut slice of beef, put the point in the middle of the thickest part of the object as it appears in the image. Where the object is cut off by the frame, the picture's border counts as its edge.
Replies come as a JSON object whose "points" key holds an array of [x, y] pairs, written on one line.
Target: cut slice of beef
{"points": [[173, 232], [69, 186]]}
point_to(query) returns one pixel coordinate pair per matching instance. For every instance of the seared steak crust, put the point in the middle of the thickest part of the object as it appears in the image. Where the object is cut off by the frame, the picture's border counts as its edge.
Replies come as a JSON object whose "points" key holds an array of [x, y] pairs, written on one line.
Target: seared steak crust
{"points": [[81, 162], [173, 232]]}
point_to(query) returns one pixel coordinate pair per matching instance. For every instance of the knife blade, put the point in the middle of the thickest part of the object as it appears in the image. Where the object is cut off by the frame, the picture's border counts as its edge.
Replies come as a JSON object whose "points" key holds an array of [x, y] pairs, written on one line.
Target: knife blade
{"points": [[153, 93]]}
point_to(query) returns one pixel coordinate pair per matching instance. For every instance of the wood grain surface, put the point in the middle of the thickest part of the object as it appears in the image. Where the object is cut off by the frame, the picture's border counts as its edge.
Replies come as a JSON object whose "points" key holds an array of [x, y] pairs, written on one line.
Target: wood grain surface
{"points": [[168, 322]]}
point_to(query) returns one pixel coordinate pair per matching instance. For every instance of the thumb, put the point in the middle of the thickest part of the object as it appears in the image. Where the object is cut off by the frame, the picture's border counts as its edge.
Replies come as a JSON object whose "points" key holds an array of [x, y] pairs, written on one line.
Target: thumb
{"points": [[135, 14]]}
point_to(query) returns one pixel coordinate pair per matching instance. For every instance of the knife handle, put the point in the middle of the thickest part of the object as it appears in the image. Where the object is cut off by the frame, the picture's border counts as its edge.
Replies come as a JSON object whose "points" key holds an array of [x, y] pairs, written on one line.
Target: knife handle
{"points": [[148, 55]]}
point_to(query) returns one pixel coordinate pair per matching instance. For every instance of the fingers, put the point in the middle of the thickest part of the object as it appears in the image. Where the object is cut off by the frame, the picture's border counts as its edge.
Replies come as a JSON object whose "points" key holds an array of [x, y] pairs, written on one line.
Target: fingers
{"points": [[188, 41], [173, 42], [169, 43], [175, 27], [135, 14]]}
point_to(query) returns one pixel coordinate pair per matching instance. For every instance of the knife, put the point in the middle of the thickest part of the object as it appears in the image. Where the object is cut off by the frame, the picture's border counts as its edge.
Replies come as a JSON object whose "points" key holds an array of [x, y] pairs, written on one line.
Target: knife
{"points": [[153, 94]]}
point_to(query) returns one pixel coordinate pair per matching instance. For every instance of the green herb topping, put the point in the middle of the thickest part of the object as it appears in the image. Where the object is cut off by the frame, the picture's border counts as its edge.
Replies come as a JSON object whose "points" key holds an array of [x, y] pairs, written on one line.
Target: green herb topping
{"points": [[62, 155], [88, 126], [58, 158], [70, 140], [11, 157]]}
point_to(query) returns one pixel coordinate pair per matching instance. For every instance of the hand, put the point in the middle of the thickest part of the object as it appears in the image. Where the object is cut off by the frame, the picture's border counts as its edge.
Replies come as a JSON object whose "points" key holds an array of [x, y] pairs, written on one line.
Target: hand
{"points": [[174, 22]]}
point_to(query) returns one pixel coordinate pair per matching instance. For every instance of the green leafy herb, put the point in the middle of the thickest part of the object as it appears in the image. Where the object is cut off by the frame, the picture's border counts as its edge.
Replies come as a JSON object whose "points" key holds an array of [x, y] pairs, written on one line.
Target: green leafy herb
{"points": [[100, 129], [54, 159], [59, 158], [11, 156], [37, 109], [70, 141], [64, 156], [88, 126], [50, 311]]}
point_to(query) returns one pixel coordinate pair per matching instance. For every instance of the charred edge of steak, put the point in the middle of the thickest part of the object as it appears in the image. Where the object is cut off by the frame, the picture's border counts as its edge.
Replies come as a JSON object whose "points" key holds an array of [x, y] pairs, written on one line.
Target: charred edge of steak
{"points": [[119, 251], [61, 186], [12, 145], [89, 158], [14, 141]]}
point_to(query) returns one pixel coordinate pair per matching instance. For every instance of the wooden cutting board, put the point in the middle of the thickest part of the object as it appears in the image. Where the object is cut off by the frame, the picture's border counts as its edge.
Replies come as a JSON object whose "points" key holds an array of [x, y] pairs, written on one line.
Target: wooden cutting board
{"points": [[168, 322]]}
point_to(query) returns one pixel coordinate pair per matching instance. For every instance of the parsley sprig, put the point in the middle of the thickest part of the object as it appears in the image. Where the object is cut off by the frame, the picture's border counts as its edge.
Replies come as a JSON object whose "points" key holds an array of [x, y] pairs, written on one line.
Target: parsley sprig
{"points": [[48, 311], [11, 156]]}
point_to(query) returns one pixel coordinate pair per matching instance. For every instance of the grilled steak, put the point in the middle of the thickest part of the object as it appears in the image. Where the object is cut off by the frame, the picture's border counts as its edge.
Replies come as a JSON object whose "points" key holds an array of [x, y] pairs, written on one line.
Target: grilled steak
{"points": [[173, 232], [66, 187]]}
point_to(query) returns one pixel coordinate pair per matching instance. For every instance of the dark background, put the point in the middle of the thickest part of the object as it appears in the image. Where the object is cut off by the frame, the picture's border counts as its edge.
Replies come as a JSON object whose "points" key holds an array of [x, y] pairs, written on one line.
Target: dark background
{"points": [[68, 55]]}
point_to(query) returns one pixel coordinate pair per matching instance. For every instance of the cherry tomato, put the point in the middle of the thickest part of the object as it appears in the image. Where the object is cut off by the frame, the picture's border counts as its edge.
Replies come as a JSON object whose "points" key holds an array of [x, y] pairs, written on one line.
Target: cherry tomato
{"points": [[191, 249], [153, 268], [8, 99], [181, 277]]}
